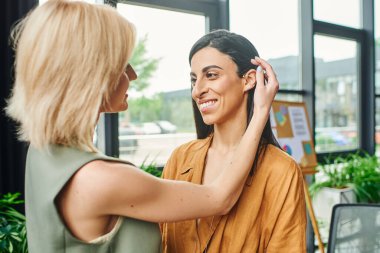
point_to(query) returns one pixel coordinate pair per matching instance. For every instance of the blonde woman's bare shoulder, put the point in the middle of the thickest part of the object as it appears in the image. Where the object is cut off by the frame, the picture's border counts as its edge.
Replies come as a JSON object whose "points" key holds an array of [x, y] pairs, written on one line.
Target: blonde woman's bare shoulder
{"points": [[103, 170], [103, 177], [102, 186]]}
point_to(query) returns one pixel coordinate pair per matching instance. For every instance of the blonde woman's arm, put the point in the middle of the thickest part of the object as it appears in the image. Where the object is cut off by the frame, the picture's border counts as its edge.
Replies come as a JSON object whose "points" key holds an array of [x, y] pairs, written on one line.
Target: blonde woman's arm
{"points": [[119, 189]]}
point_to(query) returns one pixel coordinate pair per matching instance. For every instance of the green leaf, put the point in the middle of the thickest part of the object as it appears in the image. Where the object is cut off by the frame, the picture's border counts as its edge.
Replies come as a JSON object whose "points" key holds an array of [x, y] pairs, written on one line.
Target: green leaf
{"points": [[360, 171], [15, 237], [12, 225], [10, 247]]}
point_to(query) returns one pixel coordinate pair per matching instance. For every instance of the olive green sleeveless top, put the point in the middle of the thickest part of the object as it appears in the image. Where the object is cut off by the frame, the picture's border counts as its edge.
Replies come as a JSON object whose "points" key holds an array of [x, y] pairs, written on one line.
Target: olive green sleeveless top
{"points": [[46, 175]]}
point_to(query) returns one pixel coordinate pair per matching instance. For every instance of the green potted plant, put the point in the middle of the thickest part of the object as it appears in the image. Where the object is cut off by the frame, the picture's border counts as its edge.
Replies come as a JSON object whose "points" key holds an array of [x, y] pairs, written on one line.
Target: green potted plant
{"points": [[12, 225], [350, 179], [359, 171]]}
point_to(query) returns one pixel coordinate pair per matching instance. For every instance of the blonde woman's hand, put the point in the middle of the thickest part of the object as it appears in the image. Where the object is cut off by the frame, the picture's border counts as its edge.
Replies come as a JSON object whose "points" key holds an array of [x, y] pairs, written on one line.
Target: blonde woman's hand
{"points": [[266, 87]]}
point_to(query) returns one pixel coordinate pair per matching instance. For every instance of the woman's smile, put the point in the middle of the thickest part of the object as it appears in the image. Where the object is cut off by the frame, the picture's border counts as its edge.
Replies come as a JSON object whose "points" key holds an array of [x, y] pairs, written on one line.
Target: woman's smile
{"points": [[207, 105]]}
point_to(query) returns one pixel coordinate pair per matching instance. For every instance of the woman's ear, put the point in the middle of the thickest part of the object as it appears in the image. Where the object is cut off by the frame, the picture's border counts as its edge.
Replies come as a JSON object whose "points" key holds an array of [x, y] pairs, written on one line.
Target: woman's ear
{"points": [[250, 80]]}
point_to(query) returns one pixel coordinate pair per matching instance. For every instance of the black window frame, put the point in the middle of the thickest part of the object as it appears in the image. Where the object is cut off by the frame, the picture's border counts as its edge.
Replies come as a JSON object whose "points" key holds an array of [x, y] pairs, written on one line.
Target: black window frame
{"points": [[366, 69]]}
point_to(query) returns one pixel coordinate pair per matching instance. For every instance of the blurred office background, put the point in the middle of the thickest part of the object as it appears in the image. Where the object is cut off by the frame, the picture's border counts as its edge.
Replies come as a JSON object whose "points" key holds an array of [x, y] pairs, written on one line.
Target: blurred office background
{"points": [[326, 53]]}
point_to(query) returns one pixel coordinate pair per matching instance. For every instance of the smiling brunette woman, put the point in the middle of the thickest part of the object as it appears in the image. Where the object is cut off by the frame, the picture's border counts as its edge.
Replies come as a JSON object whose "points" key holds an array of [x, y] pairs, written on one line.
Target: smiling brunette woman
{"points": [[71, 65], [270, 214]]}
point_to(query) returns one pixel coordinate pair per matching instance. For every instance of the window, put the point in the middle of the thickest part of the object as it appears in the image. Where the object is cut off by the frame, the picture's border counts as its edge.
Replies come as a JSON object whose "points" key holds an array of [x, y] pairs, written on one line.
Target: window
{"points": [[336, 82], [340, 12], [276, 39], [346, 53], [159, 117]]}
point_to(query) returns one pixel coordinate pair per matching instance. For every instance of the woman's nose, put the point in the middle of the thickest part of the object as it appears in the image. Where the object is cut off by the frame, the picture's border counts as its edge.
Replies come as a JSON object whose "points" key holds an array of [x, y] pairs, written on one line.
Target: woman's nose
{"points": [[199, 89], [131, 73]]}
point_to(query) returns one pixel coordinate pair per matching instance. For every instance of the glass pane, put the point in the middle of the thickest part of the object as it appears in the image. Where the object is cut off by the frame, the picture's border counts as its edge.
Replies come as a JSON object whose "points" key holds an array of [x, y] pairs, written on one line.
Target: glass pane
{"points": [[159, 117], [340, 12], [336, 91], [276, 39], [377, 73]]}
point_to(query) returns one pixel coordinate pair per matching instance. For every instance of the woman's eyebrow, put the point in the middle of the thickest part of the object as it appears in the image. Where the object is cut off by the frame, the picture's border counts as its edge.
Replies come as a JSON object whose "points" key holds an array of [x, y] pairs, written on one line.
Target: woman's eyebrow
{"points": [[206, 68]]}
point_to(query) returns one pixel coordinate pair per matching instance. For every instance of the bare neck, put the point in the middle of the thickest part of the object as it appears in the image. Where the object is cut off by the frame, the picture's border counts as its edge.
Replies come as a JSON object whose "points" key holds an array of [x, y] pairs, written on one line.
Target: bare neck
{"points": [[228, 134]]}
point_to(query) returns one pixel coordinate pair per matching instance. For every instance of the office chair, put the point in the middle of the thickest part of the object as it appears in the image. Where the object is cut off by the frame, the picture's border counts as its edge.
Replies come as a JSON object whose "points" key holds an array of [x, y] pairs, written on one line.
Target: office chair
{"points": [[355, 228]]}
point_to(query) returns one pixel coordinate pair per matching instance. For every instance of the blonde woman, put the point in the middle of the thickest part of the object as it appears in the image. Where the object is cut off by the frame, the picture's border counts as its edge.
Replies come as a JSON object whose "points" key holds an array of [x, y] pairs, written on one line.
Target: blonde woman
{"points": [[72, 65]]}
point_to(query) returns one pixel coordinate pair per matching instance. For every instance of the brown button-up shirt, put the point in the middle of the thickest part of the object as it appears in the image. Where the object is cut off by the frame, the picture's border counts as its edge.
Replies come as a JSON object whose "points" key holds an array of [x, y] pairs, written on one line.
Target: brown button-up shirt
{"points": [[269, 216]]}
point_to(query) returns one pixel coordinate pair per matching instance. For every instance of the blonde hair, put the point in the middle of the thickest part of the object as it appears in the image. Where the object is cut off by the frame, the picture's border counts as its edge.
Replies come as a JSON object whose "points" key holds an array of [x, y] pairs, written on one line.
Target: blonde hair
{"points": [[69, 58]]}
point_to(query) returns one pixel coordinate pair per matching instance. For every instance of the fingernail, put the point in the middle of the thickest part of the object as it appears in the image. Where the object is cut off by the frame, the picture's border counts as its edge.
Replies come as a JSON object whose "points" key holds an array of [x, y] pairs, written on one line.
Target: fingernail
{"points": [[254, 62], [256, 58], [259, 69]]}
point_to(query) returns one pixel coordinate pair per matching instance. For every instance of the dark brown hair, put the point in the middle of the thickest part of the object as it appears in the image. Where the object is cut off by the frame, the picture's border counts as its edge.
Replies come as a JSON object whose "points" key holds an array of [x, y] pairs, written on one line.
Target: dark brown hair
{"points": [[241, 51]]}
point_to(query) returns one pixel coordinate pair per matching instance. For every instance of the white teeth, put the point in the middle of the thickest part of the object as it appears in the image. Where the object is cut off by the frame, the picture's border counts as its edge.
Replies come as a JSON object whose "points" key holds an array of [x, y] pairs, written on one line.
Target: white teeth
{"points": [[206, 104]]}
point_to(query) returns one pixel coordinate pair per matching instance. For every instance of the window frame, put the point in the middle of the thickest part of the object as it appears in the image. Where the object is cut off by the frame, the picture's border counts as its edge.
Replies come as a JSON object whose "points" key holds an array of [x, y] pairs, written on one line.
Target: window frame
{"points": [[366, 85], [217, 16]]}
